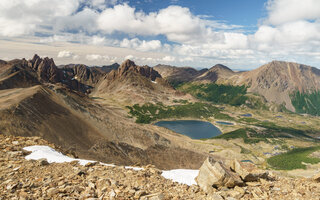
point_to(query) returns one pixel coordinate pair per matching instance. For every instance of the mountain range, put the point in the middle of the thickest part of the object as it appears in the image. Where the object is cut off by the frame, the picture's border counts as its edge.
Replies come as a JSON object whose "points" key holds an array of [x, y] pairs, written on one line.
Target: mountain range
{"points": [[83, 109], [276, 81]]}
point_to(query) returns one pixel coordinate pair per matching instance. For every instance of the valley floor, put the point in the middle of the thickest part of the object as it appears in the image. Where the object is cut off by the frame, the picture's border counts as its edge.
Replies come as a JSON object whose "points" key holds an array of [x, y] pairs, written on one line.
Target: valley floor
{"points": [[30, 179]]}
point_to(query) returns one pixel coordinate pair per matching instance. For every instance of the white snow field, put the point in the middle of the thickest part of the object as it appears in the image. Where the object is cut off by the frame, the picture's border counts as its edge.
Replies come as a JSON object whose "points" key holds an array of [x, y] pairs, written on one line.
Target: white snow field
{"points": [[184, 176]]}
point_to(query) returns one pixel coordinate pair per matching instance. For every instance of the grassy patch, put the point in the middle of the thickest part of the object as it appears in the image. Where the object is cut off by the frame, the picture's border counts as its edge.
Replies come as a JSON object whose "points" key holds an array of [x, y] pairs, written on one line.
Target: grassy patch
{"points": [[249, 120], [284, 132], [151, 112], [249, 136], [215, 93], [306, 102], [293, 159]]}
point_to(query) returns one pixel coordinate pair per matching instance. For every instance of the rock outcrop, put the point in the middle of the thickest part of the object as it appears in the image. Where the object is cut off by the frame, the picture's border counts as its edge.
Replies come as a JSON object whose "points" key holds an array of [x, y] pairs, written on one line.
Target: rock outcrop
{"points": [[216, 174], [46, 69], [248, 171], [145, 71]]}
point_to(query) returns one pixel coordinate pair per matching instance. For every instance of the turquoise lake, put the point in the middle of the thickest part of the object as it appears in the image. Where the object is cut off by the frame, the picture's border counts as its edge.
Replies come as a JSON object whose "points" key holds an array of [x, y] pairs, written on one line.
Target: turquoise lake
{"points": [[192, 128]]}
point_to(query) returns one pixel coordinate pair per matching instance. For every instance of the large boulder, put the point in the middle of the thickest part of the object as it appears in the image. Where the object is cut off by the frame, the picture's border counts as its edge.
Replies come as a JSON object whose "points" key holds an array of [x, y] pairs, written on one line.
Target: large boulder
{"points": [[215, 174], [248, 171]]}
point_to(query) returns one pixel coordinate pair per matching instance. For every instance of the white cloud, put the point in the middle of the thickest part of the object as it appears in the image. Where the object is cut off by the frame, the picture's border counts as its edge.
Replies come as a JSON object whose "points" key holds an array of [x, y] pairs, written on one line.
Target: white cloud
{"points": [[168, 59], [130, 57], [141, 45], [83, 21], [67, 54], [289, 31], [97, 57], [21, 17], [175, 22], [283, 11]]}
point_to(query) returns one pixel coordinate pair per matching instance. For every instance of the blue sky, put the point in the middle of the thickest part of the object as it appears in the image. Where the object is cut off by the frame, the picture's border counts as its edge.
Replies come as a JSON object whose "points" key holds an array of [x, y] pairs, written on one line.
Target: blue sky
{"points": [[242, 12], [242, 34]]}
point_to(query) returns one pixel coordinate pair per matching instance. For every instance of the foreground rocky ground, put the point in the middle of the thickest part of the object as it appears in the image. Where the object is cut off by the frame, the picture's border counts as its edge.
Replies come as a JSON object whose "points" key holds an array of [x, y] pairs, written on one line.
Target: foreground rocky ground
{"points": [[23, 179]]}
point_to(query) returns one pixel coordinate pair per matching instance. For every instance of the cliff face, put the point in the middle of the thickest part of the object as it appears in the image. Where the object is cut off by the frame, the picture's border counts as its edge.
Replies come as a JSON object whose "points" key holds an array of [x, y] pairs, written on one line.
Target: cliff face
{"points": [[84, 74], [46, 69]]}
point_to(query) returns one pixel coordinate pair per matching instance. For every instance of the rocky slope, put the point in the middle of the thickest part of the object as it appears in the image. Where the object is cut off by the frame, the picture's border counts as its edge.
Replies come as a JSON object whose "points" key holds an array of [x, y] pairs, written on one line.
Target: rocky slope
{"points": [[31, 179], [45, 105], [91, 130], [135, 84]]}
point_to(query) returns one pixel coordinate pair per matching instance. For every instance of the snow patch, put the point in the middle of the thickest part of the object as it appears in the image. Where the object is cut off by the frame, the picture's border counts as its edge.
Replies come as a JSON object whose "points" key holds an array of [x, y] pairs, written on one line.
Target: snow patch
{"points": [[52, 156], [184, 176]]}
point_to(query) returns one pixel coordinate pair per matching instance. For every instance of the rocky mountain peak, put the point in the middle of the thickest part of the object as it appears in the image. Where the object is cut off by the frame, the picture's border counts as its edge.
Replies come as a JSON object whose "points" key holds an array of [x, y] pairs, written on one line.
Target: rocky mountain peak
{"points": [[220, 67], [45, 68], [146, 71]]}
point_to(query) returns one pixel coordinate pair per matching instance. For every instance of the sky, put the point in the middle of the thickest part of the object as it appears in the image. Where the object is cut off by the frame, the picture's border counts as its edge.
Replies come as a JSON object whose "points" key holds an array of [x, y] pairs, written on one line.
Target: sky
{"points": [[240, 34]]}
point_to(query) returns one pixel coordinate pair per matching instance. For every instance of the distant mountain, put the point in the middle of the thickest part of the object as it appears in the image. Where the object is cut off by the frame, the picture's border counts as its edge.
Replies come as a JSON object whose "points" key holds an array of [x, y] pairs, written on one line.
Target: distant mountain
{"points": [[39, 99], [277, 80], [25, 73], [217, 73], [86, 75], [132, 83], [294, 86], [178, 74], [109, 68], [175, 75]]}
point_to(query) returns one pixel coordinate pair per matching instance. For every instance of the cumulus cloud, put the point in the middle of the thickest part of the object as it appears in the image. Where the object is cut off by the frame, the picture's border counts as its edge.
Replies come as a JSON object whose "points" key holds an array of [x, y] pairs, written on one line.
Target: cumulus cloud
{"points": [[168, 59], [21, 17], [283, 11], [175, 22], [83, 21], [97, 57], [67, 54], [141, 45], [290, 30]]}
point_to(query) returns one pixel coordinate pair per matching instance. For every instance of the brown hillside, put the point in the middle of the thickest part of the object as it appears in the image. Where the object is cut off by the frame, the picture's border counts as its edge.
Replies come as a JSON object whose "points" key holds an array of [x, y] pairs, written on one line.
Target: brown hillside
{"points": [[218, 73], [135, 84], [178, 74], [276, 80]]}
